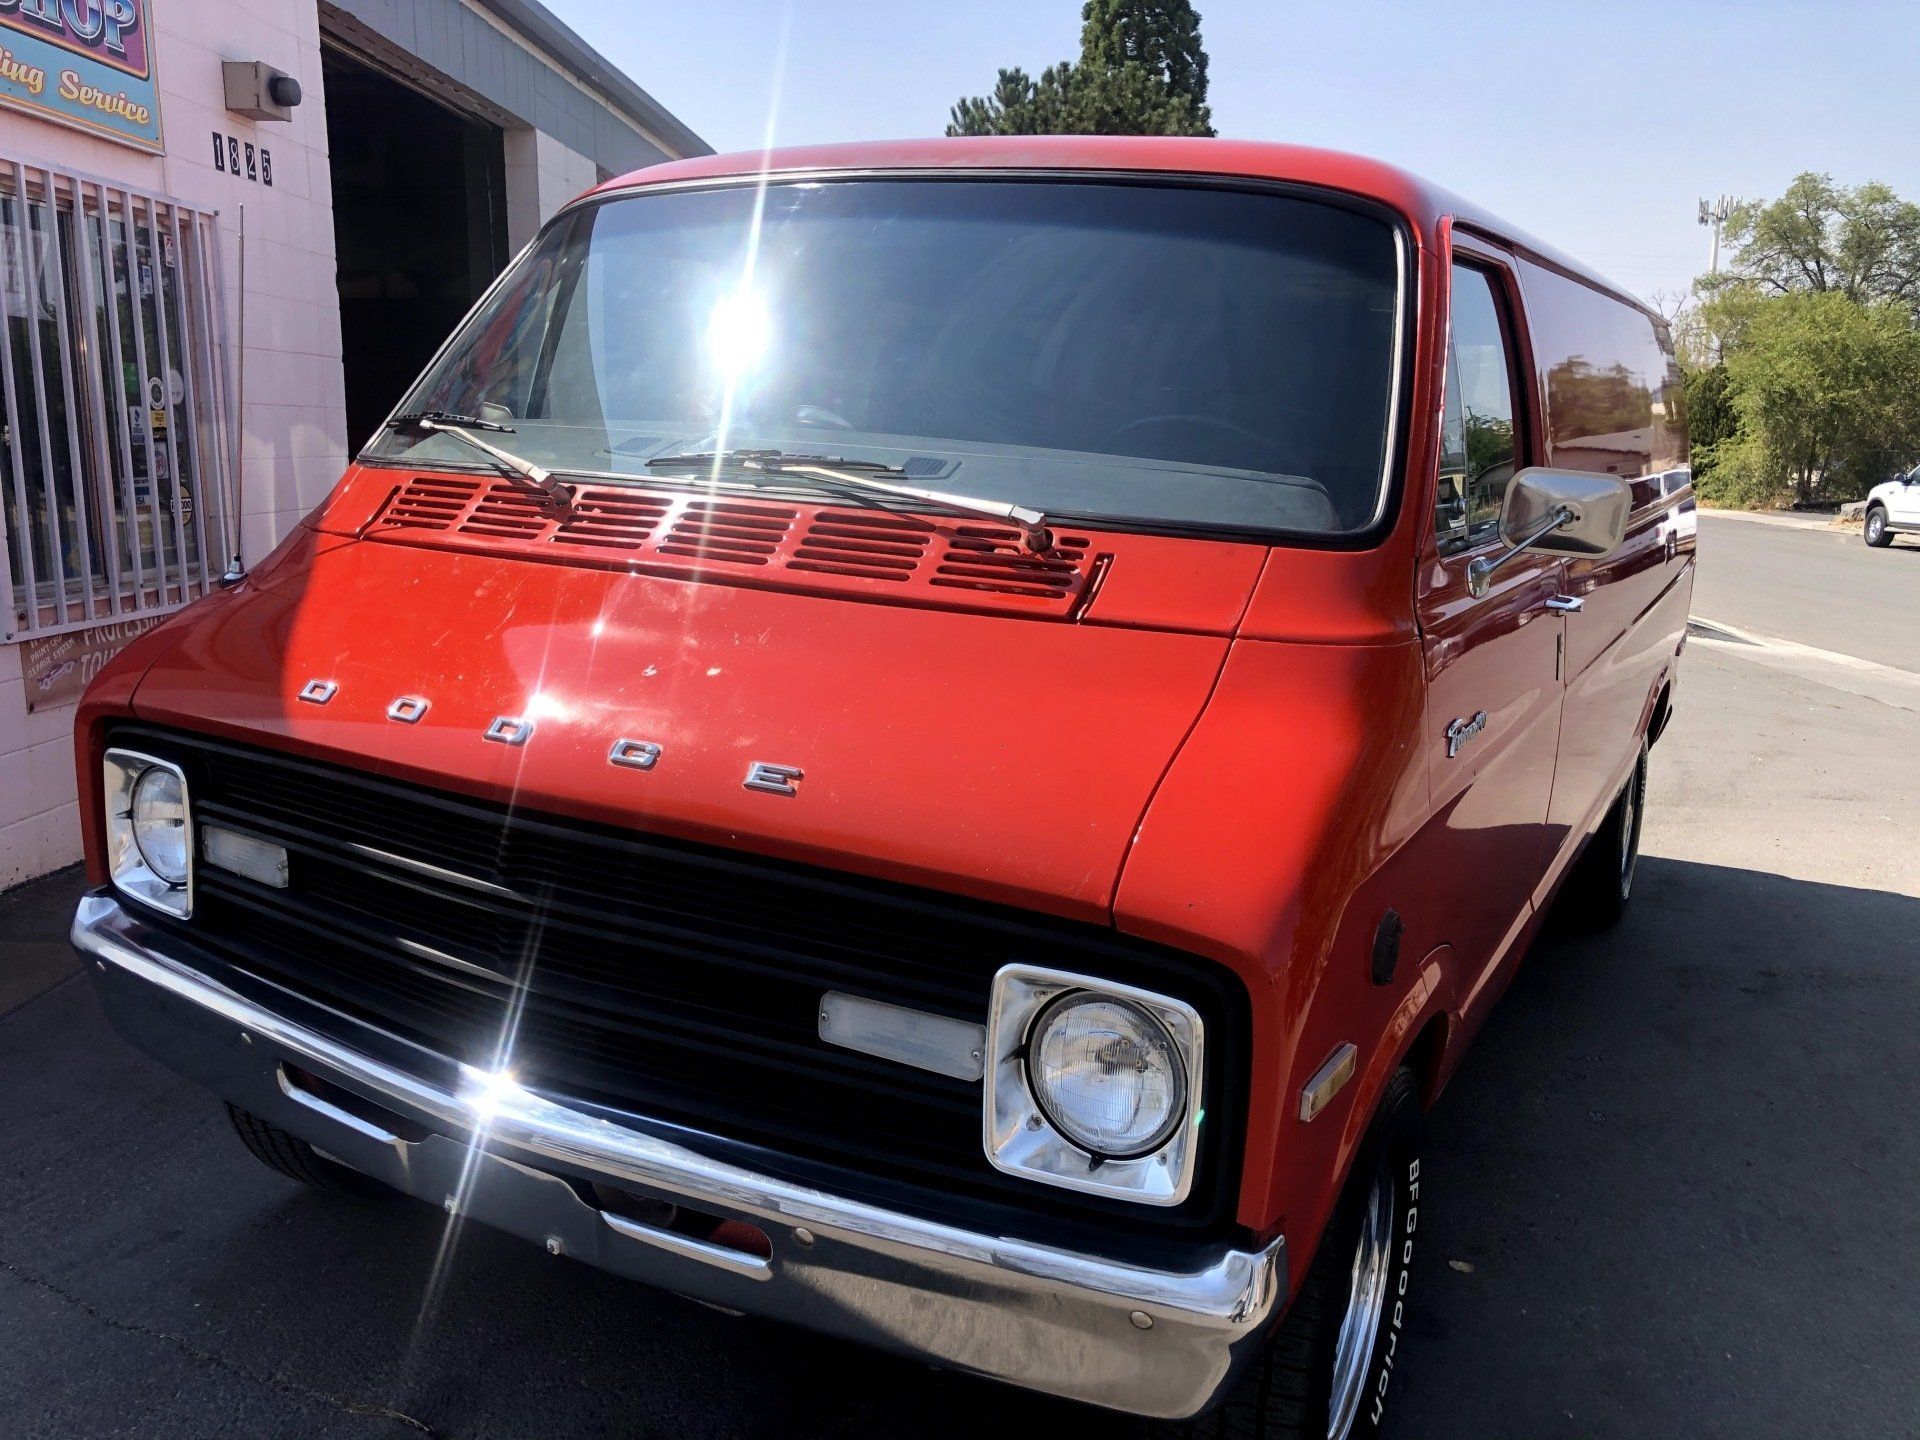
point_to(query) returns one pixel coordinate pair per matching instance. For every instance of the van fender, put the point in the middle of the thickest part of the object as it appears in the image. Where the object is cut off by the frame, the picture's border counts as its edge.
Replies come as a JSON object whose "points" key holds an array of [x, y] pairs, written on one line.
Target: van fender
{"points": [[1429, 999]]}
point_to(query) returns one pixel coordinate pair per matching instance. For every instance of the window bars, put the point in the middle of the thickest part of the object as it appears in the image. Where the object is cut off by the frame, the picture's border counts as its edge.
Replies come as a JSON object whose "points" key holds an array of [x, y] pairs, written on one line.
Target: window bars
{"points": [[116, 419]]}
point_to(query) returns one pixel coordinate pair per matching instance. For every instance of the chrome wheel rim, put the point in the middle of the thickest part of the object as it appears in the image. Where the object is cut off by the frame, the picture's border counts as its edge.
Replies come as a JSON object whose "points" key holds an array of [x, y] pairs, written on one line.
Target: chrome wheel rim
{"points": [[1874, 526], [1366, 1299], [1629, 833]]}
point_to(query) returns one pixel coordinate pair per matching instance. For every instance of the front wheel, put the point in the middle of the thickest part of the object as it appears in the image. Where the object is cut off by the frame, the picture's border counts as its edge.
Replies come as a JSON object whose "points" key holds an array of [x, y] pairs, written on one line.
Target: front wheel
{"points": [[1329, 1367], [296, 1159], [1876, 533]]}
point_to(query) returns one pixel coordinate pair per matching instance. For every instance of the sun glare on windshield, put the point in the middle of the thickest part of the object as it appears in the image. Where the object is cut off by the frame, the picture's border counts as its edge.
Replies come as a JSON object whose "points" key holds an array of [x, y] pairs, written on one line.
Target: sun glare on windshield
{"points": [[739, 335]]}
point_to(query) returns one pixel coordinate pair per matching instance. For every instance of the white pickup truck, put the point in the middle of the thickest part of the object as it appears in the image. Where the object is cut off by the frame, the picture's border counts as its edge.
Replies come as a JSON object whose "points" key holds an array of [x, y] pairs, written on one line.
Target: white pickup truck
{"points": [[1892, 508]]}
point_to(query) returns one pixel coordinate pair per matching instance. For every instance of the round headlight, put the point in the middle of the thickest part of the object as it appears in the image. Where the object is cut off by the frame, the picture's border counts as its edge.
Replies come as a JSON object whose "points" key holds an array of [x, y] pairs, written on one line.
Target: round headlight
{"points": [[160, 823], [1107, 1075]]}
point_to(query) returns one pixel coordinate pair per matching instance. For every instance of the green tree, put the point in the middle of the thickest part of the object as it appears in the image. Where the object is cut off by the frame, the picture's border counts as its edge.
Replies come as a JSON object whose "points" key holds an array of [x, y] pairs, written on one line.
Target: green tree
{"points": [[1826, 391], [1863, 243], [1711, 418], [1142, 71]]}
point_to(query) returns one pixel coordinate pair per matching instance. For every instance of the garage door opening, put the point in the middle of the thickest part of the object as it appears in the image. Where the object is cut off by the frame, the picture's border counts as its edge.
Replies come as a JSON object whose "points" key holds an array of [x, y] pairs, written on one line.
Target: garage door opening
{"points": [[419, 228]]}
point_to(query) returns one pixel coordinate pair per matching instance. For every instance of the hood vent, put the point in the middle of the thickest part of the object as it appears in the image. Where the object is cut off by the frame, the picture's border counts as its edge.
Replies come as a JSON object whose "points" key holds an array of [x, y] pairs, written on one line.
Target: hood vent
{"points": [[609, 521], [868, 543], [729, 530], [985, 558], [428, 504], [869, 554]]}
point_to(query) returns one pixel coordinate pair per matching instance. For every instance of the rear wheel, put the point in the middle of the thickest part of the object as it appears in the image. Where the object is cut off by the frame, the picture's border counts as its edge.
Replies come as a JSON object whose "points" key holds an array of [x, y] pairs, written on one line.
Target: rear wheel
{"points": [[1876, 532], [296, 1159], [1602, 880], [1327, 1371]]}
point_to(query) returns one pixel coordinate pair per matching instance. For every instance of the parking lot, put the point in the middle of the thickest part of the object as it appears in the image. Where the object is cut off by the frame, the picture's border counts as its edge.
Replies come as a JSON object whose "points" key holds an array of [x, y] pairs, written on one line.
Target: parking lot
{"points": [[1675, 1177]]}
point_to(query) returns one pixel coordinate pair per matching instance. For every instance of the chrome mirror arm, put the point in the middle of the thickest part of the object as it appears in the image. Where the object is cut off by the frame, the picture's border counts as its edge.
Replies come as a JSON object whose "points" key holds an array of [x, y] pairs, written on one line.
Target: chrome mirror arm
{"points": [[1480, 572]]}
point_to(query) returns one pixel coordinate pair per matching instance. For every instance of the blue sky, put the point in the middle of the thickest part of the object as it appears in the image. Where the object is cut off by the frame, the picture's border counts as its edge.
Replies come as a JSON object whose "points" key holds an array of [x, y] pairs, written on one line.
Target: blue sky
{"points": [[1595, 124]]}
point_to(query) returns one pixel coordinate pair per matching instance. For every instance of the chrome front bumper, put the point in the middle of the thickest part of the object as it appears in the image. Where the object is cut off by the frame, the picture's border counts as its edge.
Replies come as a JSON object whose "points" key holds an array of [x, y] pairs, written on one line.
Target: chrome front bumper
{"points": [[1134, 1339]]}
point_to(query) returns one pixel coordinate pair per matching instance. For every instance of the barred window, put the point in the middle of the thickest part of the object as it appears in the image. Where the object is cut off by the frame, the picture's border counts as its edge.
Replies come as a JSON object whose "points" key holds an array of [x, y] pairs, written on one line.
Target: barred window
{"points": [[115, 428]]}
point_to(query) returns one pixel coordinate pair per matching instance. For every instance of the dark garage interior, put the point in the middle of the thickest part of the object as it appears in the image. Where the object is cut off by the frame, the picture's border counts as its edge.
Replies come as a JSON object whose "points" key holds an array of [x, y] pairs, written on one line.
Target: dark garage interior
{"points": [[419, 218]]}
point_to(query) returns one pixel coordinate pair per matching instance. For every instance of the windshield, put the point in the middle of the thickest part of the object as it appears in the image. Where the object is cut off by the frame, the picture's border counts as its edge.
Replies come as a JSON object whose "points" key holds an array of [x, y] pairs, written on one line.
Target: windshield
{"points": [[1153, 353]]}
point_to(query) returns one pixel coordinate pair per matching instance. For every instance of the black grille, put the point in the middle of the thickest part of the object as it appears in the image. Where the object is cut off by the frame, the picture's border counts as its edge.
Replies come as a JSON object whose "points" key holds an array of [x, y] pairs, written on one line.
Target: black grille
{"points": [[667, 980]]}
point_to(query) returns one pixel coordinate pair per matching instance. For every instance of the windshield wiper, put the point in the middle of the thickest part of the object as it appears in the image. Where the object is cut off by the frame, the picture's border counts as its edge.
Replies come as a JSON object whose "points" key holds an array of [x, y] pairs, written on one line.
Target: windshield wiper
{"points": [[515, 467], [864, 475]]}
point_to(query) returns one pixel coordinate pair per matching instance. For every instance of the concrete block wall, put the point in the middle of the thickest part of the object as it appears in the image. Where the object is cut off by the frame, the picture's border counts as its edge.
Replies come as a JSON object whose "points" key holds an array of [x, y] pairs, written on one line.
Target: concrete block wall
{"points": [[39, 824], [542, 175], [295, 427]]}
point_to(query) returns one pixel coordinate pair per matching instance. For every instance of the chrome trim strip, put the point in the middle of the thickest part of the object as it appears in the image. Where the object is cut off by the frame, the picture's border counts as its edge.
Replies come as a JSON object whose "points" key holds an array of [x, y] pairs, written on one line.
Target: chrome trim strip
{"points": [[300, 1095], [754, 1267], [452, 962], [432, 872], [1032, 1314]]}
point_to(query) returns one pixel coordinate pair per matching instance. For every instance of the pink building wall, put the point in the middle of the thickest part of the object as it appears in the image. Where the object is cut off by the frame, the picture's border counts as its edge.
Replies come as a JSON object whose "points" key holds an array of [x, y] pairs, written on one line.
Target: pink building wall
{"points": [[295, 427]]}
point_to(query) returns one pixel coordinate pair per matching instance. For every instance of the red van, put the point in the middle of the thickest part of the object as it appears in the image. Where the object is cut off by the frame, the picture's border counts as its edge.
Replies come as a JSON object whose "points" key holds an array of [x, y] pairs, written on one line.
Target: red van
{"points": [[945, 741]]}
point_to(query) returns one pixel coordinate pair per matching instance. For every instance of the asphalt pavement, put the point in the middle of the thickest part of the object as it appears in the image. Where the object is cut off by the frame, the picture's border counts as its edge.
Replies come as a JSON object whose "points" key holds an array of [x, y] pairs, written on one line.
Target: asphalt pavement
{"points": [[1814, 585], [1671, 1187]]}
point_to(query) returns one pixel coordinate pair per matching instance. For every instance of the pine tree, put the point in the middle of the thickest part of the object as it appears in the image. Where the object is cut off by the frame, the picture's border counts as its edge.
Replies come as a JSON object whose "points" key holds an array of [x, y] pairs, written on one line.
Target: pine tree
{"points": [[1142, 71]]}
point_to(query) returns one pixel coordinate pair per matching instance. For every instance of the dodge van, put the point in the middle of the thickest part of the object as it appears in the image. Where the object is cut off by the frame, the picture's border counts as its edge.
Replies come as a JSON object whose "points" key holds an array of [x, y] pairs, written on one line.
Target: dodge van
{"points": [[942, 741]]}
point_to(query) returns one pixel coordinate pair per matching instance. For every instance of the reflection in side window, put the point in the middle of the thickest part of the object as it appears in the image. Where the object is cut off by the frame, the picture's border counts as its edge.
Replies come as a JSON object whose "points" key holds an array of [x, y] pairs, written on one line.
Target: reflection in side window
{"points": [[1479, 373], [1614, 395], [1450, 500]]}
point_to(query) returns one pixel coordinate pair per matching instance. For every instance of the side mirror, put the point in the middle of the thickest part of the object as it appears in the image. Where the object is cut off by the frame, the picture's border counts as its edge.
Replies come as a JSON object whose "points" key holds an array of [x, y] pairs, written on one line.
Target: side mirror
{"points": [[1564, 512]]}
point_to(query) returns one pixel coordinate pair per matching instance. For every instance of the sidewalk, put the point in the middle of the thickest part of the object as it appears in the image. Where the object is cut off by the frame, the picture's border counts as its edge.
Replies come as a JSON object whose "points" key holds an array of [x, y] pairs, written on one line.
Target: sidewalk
{"points": [[1791, 519], [34, 954]]}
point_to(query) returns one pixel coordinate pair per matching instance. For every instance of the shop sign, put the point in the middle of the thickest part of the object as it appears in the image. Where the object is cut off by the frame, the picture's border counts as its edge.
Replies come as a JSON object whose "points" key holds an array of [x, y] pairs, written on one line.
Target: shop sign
{"points": [[85, 63], [58, 667]]}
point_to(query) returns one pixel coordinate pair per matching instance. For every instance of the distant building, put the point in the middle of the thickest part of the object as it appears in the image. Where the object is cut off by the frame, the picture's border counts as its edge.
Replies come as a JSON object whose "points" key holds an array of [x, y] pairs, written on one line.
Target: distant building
{"points": [[390, 156]]}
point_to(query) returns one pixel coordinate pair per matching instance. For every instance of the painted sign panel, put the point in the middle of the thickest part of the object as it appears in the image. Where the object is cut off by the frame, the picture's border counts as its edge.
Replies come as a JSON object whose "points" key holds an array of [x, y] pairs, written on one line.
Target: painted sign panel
{"points": [[58, 667], [85, 63]]}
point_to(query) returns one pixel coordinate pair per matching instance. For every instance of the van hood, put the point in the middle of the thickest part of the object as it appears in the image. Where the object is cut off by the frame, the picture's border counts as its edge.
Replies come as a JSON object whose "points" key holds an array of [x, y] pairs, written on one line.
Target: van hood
{"points": [[1002, 756]]}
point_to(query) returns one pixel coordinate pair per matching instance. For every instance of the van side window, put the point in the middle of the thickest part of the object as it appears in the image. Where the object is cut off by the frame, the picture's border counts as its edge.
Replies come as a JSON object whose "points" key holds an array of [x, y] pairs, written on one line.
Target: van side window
{"points": [[1614, 401], [1477, 445]]}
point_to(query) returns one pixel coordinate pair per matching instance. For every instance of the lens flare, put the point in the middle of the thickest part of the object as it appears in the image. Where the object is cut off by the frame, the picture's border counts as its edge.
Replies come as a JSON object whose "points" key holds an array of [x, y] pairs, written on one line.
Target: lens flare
{"points": [[491, 1090], [739, 334]]}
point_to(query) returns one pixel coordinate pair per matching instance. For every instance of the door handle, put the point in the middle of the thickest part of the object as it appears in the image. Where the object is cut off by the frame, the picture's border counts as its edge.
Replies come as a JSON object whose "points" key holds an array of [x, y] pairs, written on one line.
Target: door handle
{"points": [[1566, 604]]}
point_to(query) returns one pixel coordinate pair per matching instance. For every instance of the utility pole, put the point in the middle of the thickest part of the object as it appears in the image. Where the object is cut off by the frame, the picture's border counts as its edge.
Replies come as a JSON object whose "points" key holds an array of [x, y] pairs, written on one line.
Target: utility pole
{"points": [[1715, 213]]}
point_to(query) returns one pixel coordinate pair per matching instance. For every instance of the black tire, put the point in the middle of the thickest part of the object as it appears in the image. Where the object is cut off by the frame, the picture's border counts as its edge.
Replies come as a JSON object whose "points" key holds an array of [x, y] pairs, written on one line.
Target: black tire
{"points": [[296, 1159], [1875, 531], [1288, 1394], [1601, 885]]}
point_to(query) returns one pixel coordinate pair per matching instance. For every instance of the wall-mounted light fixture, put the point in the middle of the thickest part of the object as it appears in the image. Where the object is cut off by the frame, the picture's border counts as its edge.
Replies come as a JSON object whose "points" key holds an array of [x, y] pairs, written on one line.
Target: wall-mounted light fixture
{"points": [[258, 91]]}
